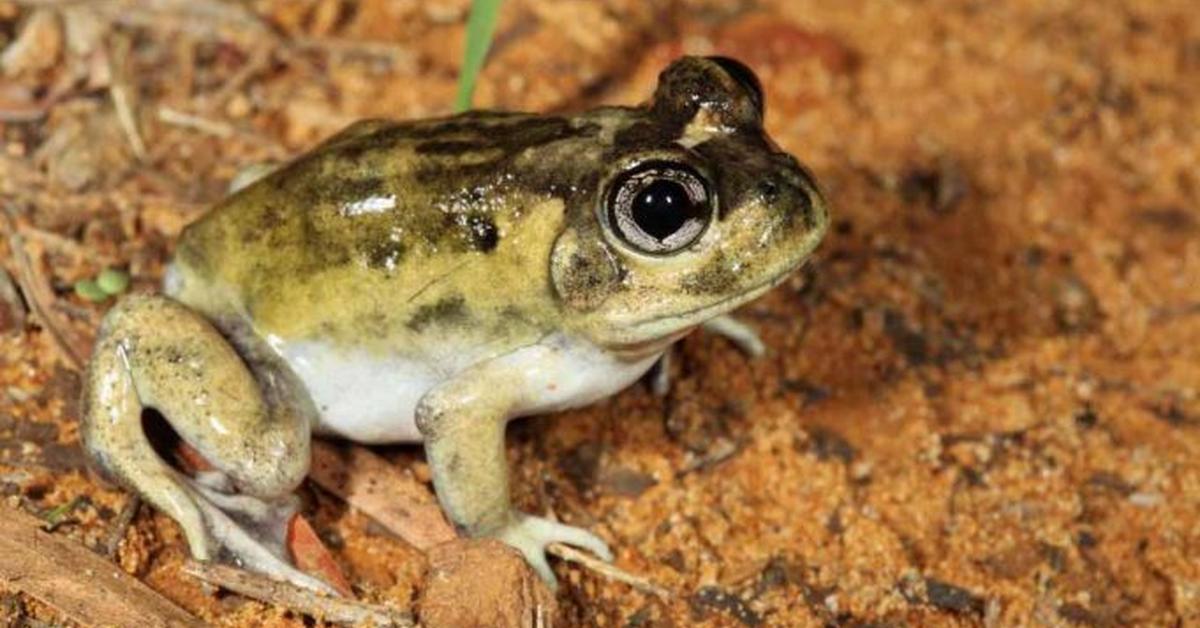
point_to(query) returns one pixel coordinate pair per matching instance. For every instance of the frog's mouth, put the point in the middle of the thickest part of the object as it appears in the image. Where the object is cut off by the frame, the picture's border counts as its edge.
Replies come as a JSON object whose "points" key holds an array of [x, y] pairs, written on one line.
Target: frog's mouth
{"points": [[667, 328], [700, 314], [641, 349]]}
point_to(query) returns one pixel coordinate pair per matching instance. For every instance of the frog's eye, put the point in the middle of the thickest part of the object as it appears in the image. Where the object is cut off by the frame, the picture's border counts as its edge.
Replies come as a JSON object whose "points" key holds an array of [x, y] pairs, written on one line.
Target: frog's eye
{"points": [[659, 207]]}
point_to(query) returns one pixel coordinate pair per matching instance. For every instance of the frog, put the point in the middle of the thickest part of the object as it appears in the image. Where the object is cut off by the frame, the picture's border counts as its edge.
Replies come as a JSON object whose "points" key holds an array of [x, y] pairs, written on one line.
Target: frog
{"points": [[426, 281]]}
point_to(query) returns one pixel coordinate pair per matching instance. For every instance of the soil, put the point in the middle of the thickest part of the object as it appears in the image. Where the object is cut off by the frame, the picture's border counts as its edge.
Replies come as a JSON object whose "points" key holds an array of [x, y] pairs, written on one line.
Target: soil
{"points": [[981, 404]]}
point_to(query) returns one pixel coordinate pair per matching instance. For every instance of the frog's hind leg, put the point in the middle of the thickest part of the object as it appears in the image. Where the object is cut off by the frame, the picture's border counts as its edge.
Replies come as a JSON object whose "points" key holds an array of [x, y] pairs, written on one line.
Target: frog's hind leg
{"points": [[155, 353], [740, 334]]}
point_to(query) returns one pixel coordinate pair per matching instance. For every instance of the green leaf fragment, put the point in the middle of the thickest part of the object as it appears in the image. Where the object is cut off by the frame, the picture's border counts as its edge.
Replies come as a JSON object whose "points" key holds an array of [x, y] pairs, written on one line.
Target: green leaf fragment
{"points": [[57, 515], [113, 281], [88, 289]]}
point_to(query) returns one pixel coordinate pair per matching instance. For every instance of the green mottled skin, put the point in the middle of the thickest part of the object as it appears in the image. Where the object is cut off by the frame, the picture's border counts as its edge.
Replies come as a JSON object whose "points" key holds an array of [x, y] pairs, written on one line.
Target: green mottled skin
{"points": [[467, 241], [481, 201]]}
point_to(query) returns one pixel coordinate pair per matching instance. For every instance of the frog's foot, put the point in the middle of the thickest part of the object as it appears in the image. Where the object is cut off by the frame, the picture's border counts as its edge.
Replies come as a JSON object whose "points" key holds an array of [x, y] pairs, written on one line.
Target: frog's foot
{"points": [[246, 531], [530, 535]]}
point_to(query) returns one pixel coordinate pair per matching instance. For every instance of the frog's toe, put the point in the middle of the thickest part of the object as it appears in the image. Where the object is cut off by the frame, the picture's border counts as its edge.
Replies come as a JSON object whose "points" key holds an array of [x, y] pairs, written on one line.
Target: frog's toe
{"points": [[738, 333], [530, 535]]}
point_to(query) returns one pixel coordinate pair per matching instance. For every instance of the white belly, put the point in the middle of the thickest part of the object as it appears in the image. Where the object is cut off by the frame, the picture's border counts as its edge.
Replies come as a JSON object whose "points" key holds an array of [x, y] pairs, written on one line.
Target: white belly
{"points": [[372, 399], [358, 395]]}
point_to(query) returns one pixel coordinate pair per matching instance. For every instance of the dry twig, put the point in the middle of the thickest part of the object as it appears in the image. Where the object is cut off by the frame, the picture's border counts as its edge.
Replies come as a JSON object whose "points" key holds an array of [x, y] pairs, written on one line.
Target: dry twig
{"points": [[75, 581], [185, 120], [221, 129], [206, 16], [607, 570], [35, 287], [295, 598], [395, 54], [122, 103], [121, 526], [722, 450], [259, 61], [12, 306], [124, 98], [18, 113], [53, 242]]}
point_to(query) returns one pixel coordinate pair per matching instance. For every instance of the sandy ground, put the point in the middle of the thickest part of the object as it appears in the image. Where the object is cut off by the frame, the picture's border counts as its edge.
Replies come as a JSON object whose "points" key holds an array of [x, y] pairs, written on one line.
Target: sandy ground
{"points": [[982, 400]]}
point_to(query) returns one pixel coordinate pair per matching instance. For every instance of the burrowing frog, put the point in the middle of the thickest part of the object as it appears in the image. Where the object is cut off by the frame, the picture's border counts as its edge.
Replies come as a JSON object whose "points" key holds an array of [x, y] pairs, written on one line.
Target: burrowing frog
{"points": [[427, 281]]}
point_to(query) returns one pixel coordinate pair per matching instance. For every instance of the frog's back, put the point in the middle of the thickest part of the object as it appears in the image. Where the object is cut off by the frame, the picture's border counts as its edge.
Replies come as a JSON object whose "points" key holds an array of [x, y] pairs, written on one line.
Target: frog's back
{"points": [[383, 230]]}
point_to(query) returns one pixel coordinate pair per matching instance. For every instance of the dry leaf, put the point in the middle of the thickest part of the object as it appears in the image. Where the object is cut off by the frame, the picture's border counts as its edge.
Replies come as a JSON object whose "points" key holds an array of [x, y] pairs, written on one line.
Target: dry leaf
{"points": [[38, 46], [313, 558]]}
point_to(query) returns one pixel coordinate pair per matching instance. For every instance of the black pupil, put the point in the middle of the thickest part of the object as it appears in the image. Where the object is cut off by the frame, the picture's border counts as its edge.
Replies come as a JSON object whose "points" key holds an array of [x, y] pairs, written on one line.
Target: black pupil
{"points": [[662, 208]]}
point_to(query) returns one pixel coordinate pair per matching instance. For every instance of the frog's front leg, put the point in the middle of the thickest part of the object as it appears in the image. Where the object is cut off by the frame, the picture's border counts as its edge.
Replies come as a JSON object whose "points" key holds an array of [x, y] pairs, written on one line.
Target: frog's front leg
{"points": [[462, 422], [155, 353]]}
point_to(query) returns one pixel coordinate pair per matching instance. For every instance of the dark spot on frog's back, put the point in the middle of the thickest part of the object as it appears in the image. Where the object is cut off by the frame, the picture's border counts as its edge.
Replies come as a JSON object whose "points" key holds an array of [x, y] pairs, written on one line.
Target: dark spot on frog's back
{"points": [[509, 135], [270, 219], [382, 254], [449, 147], [447, 311], [325, 189], [353, 189], [482, 233]]}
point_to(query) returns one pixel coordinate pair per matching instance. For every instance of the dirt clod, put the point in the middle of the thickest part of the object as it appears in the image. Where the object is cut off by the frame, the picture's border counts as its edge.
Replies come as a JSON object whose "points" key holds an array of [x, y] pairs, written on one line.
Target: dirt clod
{"points": [[481, 583]]}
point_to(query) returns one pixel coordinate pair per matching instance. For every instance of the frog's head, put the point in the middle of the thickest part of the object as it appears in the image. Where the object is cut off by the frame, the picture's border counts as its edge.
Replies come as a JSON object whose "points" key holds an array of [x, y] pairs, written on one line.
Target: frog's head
{"points": [[697, 212]]}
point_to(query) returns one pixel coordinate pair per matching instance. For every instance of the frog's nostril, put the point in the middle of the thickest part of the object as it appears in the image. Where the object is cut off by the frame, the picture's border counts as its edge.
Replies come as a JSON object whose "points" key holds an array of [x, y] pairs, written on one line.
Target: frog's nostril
{"points": [[769, 191], [799, 206]]}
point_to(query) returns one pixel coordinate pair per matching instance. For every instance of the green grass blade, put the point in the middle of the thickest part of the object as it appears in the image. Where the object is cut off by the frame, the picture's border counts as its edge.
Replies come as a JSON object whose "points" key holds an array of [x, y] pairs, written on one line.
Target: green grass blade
{"points": [[480, 26]]}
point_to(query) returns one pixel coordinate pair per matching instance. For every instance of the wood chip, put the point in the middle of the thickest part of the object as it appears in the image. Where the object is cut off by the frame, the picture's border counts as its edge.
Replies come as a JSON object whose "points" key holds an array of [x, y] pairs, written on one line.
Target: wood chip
{"points": [[75, 581], [312, 557], [296, 598], [371, 484]]}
